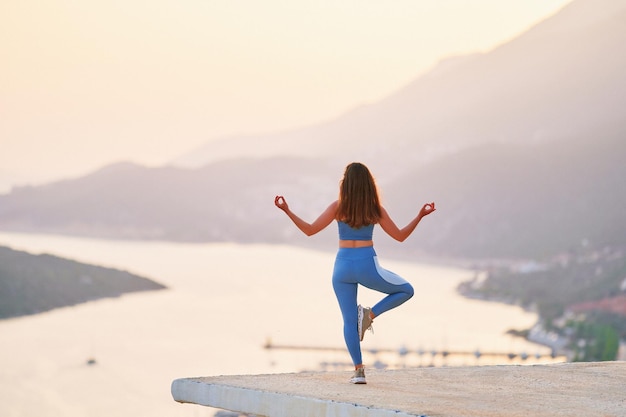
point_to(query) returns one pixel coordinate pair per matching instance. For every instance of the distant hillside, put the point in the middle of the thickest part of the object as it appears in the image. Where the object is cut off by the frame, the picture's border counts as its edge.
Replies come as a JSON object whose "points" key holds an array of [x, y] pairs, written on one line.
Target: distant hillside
{"points": [[578, 280], [523, 201], [31, 284], [580, 297], [496, 201], [563, 76], [226, 201], [522, 148]]}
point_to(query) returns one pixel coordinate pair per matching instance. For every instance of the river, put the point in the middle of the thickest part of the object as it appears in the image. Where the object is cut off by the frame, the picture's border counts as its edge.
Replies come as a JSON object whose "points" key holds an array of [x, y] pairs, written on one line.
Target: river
{"points": [[223, 303]]}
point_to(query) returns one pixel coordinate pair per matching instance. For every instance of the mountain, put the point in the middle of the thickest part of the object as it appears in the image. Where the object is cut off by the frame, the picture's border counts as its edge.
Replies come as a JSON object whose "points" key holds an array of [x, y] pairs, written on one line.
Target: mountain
{"points": [[531, 201], [522, 148], [562, 76], [31, 284], [494, 201], [216, 203], [8, 180]]}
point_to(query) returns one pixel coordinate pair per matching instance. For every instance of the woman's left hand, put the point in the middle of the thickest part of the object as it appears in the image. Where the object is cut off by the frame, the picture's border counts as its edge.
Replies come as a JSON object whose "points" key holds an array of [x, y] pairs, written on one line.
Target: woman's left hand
{"points": [[427, 209]]}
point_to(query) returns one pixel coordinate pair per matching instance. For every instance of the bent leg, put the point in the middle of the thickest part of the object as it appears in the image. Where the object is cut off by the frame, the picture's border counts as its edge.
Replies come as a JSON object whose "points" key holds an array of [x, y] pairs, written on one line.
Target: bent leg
{"points": [[382, 280]]}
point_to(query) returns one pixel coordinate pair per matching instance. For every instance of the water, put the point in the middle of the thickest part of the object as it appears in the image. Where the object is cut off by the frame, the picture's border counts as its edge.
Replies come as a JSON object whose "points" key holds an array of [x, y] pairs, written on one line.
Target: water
{"points": [[223, 303]]}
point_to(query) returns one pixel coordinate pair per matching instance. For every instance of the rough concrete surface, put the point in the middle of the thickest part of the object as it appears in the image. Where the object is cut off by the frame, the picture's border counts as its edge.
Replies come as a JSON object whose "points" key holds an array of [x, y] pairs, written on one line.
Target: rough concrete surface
{"points": [[569, 389]]}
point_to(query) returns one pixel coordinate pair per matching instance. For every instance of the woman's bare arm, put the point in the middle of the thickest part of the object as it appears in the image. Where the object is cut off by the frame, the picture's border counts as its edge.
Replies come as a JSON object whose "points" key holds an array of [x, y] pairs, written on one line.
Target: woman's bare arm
{"points": [[308, 229], [394, 231]]}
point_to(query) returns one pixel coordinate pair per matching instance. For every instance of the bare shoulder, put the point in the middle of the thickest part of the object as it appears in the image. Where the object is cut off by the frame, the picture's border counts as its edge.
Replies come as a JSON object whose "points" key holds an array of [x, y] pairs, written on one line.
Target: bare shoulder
{"points": [[332, 208], [385, 220]]}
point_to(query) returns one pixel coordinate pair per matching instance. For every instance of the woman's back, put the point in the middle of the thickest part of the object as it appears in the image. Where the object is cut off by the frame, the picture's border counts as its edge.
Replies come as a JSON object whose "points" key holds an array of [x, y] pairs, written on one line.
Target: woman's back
{"points": [[350, 233]]}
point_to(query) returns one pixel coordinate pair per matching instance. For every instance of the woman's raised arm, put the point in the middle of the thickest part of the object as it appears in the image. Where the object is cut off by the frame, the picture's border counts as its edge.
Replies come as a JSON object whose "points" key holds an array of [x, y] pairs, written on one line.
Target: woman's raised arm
{"points": [[308, 229], [401, 234]]}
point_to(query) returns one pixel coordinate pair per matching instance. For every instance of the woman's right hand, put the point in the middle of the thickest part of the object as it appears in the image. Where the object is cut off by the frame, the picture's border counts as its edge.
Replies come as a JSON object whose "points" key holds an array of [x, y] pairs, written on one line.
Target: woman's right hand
{"points": [[281, 203]]}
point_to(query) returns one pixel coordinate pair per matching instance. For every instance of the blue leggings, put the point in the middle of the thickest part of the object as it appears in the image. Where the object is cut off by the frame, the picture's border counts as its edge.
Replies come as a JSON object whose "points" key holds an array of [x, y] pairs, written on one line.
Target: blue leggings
{"points": [[355, 266]]}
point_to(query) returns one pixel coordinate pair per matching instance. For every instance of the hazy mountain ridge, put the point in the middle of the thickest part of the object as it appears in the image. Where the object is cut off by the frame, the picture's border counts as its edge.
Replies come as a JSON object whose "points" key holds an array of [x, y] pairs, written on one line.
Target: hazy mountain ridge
{"points": [[219, 202], [522, 149], [493, 200], [563, 75], [31, 284], [524, 201]]}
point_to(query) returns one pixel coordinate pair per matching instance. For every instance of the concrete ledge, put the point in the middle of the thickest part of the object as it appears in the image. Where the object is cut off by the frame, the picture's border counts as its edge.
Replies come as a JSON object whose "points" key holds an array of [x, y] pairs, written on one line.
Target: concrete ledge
{"points": [[570, 389]]}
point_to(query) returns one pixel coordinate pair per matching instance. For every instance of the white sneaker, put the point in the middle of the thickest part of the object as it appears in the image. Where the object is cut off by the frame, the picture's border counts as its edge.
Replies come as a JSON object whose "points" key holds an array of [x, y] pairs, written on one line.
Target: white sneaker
{"points": [[364, 321], [358, 377]]}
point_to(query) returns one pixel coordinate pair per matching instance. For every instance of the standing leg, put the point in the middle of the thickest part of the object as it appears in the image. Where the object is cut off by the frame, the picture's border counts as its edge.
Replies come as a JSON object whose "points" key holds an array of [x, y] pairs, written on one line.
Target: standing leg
{"points": [[346, 293]]}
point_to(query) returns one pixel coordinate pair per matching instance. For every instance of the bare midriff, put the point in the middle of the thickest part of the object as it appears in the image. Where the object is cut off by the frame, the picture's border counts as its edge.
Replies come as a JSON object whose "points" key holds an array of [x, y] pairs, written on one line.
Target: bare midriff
{"points": [[355, 243]]}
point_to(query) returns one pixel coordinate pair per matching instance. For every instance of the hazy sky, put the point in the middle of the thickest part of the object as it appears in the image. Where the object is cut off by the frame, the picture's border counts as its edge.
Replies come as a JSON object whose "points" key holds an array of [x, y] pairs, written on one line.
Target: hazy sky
{"points": [[87, 83]]}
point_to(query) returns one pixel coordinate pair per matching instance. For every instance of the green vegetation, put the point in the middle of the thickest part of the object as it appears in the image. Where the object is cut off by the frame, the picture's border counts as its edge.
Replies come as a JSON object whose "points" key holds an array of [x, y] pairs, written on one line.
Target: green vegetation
{"points": [[569, 293], [552, 287], [31, 284], [598, 342]]}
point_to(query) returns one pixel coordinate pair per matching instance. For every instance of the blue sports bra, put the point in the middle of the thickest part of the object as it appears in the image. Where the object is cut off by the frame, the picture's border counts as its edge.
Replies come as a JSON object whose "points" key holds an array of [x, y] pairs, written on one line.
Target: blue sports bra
{"points": [[348, 233]]}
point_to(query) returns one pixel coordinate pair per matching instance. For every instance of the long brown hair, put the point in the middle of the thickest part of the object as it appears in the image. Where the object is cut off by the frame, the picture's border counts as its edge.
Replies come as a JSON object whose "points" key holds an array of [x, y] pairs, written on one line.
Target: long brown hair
{"points": [[359, 204]]}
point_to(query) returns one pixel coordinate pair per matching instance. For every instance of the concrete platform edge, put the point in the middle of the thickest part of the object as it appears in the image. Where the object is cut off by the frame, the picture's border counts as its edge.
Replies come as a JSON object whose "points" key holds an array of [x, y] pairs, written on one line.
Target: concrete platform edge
{"points": [[264, 403]]}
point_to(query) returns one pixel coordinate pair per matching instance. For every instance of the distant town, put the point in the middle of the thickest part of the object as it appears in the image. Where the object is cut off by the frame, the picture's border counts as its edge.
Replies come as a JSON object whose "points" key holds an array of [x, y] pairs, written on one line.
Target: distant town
{"points": [[580, 297]]}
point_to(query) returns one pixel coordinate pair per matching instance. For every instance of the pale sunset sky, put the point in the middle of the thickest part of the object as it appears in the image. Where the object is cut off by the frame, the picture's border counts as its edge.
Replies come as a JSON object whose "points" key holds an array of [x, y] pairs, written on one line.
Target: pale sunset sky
{"points": [[88, 83]]}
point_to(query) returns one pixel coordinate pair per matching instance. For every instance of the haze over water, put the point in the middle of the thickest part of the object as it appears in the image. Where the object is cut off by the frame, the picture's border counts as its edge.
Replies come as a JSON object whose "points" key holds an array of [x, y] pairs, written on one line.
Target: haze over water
{"points": [[223, 303]]}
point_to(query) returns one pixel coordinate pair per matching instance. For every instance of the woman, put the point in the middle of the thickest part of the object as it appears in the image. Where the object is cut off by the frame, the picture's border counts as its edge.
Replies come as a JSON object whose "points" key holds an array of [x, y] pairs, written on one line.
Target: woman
{"points": [[356, 211]]}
